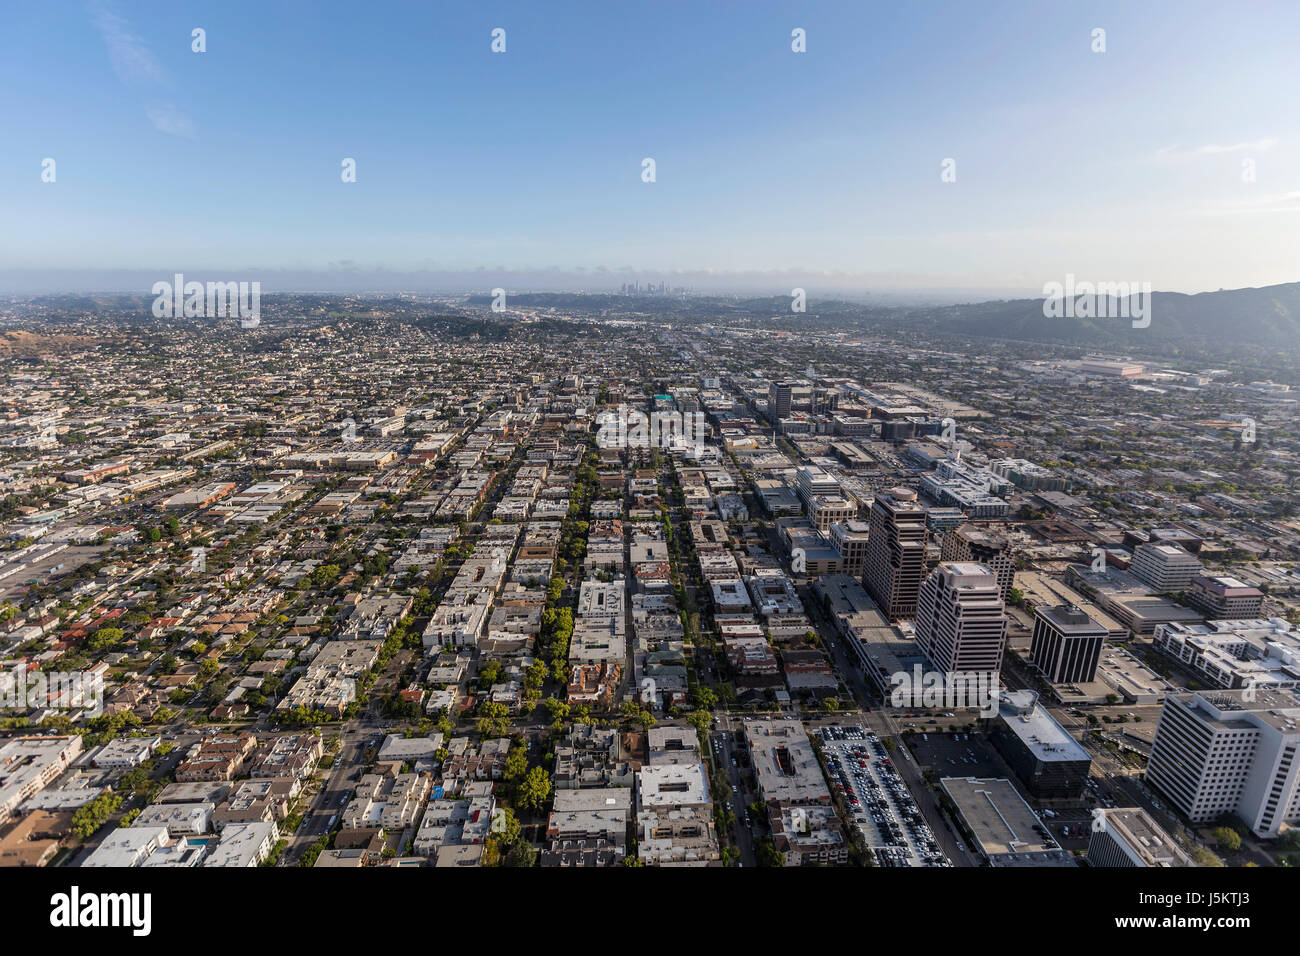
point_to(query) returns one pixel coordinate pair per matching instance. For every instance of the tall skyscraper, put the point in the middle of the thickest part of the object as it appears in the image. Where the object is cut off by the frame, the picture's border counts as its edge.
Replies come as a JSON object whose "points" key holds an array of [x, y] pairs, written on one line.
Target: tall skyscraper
{"points": [[961, 622], [895, 558], [1066, 646], [779, 396]]}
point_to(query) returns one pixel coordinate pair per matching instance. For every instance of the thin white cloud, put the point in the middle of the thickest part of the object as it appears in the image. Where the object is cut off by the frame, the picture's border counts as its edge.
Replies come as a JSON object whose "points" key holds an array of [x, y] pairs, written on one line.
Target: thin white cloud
{"points": [[1254, 205], [1254, 145], [135, 65], [131, 59], [168, 119], [1215, 149]]}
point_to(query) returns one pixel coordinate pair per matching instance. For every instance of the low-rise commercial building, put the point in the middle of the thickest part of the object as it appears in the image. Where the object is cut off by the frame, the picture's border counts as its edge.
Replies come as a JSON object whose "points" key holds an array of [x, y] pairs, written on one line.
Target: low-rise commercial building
{"points": [[1221, 596], [1050, 763], [1128, 837], [1002, 826]]}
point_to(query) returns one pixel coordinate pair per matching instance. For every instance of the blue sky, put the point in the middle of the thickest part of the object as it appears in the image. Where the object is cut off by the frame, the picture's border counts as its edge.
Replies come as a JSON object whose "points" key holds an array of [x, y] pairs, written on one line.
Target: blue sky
{"points": [[1125, 164]]}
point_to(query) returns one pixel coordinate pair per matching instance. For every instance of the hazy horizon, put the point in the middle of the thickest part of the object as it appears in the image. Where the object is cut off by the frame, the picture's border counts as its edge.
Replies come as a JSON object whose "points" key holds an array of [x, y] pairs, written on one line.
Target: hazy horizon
{"points": [[461, 282], [343, 281]]}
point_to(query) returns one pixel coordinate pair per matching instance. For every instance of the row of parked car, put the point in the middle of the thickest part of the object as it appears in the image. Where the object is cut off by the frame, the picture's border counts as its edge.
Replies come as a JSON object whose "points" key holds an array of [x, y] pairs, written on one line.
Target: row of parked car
{"points": [[882, 796]]}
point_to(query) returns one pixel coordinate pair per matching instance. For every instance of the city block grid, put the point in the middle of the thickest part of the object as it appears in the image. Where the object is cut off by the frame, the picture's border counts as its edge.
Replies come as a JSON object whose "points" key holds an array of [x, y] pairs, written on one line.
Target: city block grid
{"points": [[366, 591]]}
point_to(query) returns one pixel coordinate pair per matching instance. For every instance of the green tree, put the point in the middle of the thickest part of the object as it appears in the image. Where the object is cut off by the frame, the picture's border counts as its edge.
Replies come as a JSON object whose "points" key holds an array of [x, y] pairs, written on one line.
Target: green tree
{"points": [[516, 765], [766, 853], [493, 720], [95, 814], [1204, 857], [521, 854], [705, 699], [106, 639], [325, 575], [701, 720], [535, 790], [511, 829], [1226, 838]]}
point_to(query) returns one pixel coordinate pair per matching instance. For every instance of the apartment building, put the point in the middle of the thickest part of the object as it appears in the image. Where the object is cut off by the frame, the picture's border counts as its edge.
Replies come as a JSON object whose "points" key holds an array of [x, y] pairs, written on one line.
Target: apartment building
{"points": [[391, 802], [330, 681], [675, 816], [216, 759], [1027, 476], [128, 846], [289, 755], [178, 818], [974, 491], [1235, 653], [808, 835], [588, 827], [262, 800], [29, 764], [784, 764], [243, 845], [452, 824], [591, 757], [125, 752]]}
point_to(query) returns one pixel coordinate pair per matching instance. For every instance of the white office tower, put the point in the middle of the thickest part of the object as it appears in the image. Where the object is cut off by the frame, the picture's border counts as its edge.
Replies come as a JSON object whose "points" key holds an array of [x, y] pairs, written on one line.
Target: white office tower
{"points": [[1166, 567], [971, 543], [961, 622], [1127, 836], [811, 481], [1230, 751]]}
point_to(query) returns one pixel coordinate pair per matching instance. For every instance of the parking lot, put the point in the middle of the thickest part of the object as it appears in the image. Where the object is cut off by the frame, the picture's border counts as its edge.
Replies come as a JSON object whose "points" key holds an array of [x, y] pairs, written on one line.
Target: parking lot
{"points": [[882, 807], [956, 755]]}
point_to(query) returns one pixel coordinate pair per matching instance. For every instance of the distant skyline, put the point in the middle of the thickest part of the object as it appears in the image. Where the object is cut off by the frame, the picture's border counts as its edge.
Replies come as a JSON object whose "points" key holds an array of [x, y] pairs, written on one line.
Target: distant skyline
{"points": [[345, 279], [773, 168]]}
